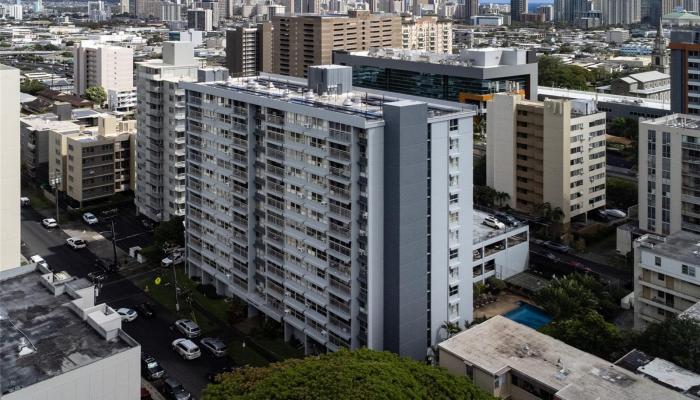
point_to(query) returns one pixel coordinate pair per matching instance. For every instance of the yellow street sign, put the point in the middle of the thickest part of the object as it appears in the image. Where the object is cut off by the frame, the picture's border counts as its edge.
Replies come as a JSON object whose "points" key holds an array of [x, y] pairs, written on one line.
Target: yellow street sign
{"points": [[158, 280]]}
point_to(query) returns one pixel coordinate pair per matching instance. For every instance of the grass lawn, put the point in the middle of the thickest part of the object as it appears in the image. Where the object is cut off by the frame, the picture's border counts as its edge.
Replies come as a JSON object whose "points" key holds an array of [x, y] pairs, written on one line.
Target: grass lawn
{"points": [[36, 197], [245, 355]]}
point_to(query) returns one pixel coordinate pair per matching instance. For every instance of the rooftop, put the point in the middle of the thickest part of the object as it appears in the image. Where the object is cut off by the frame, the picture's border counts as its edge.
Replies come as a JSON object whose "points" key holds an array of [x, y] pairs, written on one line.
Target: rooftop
{"points": [[677, 121], [682, 246], [692, 312], [483, 232], [499, 344], [649, 76], [42, 122], [475, 58], [295, 90], [662, 371], [598, 97], [42, 334]]}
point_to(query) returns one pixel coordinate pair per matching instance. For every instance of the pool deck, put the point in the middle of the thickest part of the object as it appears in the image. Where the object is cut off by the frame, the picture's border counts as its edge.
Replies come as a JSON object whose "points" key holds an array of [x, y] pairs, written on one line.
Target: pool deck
{"points": [[505, 302]]}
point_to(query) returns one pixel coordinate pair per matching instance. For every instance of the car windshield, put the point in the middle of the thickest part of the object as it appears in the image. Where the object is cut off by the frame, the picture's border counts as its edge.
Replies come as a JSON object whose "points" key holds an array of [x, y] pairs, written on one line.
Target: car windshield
{"points": [[152, 364]]}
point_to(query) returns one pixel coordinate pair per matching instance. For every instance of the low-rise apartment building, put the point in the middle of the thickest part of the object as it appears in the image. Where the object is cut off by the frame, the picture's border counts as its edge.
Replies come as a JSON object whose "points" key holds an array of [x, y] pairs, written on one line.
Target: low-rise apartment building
{"points": [[498, 252], [547, 152], [34, 137], [96, 162], [345, 215], [513, 361], [645, 85], [667, 276]]}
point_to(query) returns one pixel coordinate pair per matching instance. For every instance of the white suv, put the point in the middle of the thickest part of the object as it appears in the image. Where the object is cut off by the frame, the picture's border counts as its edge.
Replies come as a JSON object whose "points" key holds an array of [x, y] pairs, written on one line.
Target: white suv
{"points": [[493, 222], [188, 328], [186, 348]]}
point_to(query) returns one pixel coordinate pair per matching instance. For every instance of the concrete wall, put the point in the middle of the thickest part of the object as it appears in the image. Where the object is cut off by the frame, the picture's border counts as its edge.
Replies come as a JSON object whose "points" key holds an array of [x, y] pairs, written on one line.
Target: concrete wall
{"points": [[405, 227], [114, 378], [500, 147], [9, 168]]}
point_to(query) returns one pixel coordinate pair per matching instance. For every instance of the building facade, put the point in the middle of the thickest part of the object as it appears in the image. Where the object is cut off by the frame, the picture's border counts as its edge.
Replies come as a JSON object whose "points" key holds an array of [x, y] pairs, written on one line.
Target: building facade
{"points": [[304, 40], [621, 12], [95, 64], [473, 76], [427, 34], [160, 115], [667, 275], [9, 168], [547, 152], [94, 163], [314, 208], [249, 49], [34, 136], [517, 8], [669, 177], [685, 71], [200, 19], [653, 85], [160, 145]]}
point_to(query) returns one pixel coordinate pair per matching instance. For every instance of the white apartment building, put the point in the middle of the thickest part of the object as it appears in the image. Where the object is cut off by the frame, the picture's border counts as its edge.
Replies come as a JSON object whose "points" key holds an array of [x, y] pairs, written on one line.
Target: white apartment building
{"points": [[669, 174], [122, 101], [160, 145], [547, 152], [34, 135], [10, 151], [96, 64], [667, 276], [499, 253], [345, 215], [430, 34]]}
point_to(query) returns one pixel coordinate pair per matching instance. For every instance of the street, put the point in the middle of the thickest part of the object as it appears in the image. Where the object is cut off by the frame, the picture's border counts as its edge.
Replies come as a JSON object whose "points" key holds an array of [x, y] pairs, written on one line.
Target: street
{"points": [[155, 334]]}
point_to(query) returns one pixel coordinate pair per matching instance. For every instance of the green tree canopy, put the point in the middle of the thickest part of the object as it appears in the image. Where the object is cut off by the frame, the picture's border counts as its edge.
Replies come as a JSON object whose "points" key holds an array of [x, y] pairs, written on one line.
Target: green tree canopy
{"points": [[676, 340], [620, 192], [96, 94], [359, 374], [31, 86], [588, 332], [576, 294], [625, 127], [553, 72]]}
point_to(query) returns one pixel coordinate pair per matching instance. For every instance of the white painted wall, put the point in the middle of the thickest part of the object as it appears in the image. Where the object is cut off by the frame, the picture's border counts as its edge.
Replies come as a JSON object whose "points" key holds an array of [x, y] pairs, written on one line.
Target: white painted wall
{"points": [[9, 168]]}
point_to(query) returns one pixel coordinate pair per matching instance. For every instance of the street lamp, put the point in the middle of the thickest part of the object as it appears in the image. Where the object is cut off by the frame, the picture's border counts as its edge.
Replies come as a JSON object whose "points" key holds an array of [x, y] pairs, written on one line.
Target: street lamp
{"points": [[55, 181]]}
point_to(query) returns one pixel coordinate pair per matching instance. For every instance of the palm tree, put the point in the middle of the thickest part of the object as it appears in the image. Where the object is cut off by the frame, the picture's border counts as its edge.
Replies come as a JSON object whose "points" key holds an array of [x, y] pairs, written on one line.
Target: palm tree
{"points": [[501, 198], [556, 215], [451, 328], [544, 210]]}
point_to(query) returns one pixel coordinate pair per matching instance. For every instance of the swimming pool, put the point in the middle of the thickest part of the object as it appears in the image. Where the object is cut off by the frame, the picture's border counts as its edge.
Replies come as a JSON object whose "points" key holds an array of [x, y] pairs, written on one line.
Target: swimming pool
{"points": [[529, 315]]}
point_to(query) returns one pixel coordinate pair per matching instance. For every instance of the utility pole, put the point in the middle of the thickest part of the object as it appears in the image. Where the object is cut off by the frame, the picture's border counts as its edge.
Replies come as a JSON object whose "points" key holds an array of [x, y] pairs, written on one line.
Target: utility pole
{"points": [[170, 252], [111, 214], [55, 181]]}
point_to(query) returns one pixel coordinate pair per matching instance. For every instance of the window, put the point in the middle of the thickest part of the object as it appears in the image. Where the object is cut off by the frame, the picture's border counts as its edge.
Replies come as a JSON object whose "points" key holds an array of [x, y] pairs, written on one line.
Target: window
{"points": [[688, 270], [454, 290], [657, 261], [660, 276]]}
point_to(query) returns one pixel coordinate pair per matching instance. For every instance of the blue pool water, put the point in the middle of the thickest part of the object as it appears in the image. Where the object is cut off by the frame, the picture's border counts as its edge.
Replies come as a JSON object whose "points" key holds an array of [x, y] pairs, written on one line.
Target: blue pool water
{"points": [[529, 315]]}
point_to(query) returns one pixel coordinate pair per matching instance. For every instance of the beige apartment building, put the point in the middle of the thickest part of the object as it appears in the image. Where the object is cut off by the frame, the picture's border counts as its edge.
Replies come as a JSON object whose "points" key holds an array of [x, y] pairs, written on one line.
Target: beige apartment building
{"points": [[96, 162], [667, 276], [430, 34], [547, 152], [300, 41]]}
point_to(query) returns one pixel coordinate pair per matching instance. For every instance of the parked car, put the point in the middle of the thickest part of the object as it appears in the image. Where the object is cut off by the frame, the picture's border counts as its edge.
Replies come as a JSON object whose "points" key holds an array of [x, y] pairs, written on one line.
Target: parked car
{"points": [[150, 368], [127, 314], [216, 346], [508, 220], [76, 243], [37, 259], [556, 246], [613, 212], [211, 376], [186, 348], [90, 218], [96, 277], [188, 328], [551, 256], [174, 259], [145, 309], [24, 201], [145, 394], [105, 266], [494, 223], [174, 390], [49, 223], [600, 215]]}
